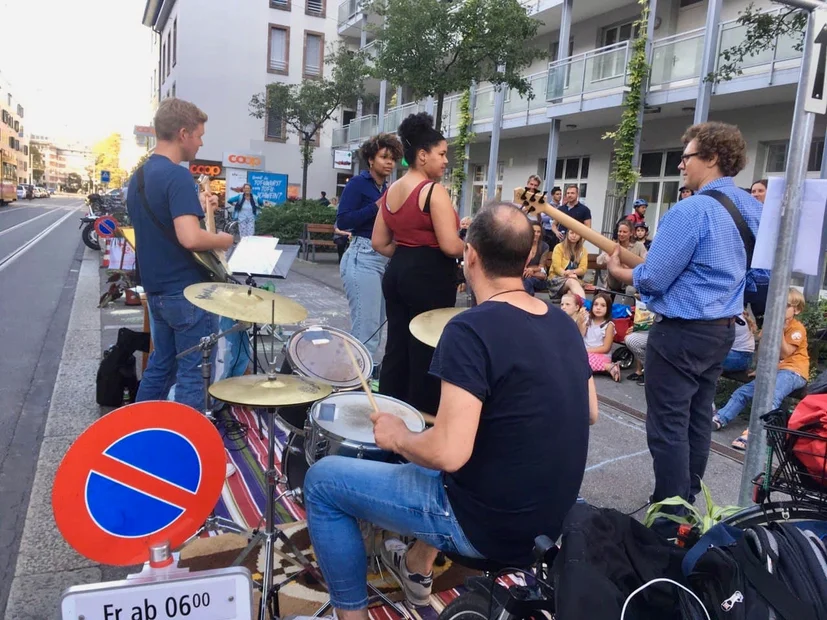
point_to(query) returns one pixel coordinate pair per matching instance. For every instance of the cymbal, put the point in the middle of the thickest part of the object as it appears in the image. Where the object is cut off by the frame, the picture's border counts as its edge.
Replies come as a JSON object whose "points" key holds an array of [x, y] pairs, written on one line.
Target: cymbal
{"points": [[261, 391], [428, 326], [245, 303]]}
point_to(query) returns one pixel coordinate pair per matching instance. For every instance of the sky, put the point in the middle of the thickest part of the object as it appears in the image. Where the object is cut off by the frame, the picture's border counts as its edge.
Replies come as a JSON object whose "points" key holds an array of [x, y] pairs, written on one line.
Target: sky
{"points": [[80, 68]]}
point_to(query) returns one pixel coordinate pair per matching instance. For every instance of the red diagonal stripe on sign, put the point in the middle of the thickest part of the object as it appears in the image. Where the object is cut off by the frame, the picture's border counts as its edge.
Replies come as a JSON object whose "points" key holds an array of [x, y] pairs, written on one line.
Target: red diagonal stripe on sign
{"points": [[142, 481]]}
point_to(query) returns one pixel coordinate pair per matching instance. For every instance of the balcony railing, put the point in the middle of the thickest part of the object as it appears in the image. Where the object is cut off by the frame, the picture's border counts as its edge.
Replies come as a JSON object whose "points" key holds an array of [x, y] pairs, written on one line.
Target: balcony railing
{"points": [[677, 58], [589, 72], [782, 51], [363, 128], [397, 114], [348, 9]]}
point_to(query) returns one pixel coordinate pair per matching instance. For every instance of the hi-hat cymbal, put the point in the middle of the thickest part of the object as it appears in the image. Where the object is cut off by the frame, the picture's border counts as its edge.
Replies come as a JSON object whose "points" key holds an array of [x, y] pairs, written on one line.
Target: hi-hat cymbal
{"points": [[261, 391], [428, 326], [245, 303]]}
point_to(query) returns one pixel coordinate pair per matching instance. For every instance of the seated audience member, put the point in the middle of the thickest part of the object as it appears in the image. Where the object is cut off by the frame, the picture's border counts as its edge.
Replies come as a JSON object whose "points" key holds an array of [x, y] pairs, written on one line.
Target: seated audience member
{"points": [[569, 261], [533, 184], [642, 234], [464, 223], [498, 468], [740, 355], [793, 369], [626, 240], [598, 336], [572, 305], [535, 276], [636, 343], [684, 192]]}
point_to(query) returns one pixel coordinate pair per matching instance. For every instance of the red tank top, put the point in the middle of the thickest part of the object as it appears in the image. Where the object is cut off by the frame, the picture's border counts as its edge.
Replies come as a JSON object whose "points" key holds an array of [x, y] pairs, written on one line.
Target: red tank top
{"points": [[411, 226]]}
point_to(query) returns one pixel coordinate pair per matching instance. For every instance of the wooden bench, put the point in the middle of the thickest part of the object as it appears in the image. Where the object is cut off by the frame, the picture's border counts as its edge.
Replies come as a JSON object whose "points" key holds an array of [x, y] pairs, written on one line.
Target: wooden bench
{"points": [[308, 242]]}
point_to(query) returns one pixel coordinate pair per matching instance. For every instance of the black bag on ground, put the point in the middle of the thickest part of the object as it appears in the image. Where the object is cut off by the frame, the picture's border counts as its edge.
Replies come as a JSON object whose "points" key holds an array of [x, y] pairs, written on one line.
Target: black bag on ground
{"points": [[117, 373]]}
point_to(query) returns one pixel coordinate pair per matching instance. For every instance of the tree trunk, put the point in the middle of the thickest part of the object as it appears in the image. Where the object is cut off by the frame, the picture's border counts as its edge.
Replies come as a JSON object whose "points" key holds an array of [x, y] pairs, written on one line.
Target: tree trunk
{"points": [[440, 100], [305, 166]]}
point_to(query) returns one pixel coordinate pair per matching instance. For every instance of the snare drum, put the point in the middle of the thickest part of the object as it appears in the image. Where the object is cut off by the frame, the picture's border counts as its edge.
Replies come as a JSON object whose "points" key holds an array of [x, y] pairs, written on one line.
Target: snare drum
{"points": [[340, 425], [318, 353]]}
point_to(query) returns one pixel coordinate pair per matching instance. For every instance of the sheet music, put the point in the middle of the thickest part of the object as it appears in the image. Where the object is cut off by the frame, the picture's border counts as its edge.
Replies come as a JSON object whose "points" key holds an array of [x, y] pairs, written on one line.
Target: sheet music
{"points": [[255, 256]]}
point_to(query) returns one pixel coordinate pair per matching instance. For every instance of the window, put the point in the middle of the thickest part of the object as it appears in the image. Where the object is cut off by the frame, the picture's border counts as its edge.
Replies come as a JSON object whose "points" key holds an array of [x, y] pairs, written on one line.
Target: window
{"points": [[568, 171], [169, 52], [282, 5], [554, 48], [163, 61], [479, 189], [315, 8], [659, 183], [175, 42], [20, 111], [275, 129], [776, 157], [17, 125], [313, 50], [25, 150], [173, 89], [278, 50]]}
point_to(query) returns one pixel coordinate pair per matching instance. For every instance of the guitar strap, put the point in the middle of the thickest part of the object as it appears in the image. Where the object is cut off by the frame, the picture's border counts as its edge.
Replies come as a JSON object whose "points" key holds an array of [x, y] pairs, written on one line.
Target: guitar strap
{"points": [[171, 237]]}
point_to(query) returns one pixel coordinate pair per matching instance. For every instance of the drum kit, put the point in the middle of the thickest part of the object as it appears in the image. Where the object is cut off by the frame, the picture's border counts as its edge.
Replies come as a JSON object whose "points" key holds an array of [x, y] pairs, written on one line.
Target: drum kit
{"points": [[316, 393]]}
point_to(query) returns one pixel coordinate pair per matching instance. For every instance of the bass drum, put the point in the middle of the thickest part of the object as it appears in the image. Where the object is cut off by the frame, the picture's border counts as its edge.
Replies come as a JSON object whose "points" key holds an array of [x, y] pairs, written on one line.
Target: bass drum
{"points": [[294, 465]]}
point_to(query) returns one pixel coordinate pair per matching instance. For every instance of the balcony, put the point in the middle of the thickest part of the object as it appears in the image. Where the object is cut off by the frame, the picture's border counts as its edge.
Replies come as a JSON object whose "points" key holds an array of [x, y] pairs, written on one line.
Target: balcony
{"points": [[676, 60], [397, 114], [350, 12], [589, 75], [358, 130]]}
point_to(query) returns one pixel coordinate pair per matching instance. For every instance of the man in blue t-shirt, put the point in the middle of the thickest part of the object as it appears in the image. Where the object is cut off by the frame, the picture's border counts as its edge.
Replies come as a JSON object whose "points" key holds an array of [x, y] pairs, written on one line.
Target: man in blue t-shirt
{"points": [[168, 267], [503, 462]]}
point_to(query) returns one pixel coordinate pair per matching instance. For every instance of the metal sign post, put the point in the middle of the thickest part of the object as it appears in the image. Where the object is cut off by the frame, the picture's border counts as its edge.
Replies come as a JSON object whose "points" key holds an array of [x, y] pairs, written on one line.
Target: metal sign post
{"points": [[773, 331]]}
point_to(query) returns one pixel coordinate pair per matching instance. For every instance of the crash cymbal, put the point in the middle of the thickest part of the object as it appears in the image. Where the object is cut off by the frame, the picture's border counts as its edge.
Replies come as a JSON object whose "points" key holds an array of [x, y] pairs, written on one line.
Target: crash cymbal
{"points": [[245, 303], [428, 326], [261, 391]]}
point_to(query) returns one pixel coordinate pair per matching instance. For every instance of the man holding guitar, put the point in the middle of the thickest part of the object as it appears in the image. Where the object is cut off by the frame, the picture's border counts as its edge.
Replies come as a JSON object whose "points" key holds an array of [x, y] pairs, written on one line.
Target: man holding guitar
{"points": [[164, 206]]}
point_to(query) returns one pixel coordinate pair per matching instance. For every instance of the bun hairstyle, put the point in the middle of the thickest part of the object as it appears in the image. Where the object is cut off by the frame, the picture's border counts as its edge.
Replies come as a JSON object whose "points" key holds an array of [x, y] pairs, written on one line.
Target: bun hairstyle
{"points": [[417, 132]]}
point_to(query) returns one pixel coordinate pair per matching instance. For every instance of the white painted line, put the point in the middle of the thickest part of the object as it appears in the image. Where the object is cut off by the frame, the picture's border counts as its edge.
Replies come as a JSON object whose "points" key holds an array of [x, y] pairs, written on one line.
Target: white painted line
{"points": [[9, 259], [16, 226], [616, 459], [13, 209]]}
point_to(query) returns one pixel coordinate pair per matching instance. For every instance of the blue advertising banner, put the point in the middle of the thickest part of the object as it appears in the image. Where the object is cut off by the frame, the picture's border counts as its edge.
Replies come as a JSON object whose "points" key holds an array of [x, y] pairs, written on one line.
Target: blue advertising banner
{"points": [[268, 187]]}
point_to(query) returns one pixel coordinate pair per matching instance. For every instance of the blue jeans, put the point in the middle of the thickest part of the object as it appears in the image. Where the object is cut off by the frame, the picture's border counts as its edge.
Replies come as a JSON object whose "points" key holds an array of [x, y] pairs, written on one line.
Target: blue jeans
{"points": [[786, 383], [406, 499], [362, 269], [177, 325], [737, 360]]}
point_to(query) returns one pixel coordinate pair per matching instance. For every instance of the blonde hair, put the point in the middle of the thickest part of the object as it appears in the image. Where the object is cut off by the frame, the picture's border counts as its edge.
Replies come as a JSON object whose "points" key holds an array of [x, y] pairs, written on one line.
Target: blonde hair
{"points": [[796, 300], [173, 115]]}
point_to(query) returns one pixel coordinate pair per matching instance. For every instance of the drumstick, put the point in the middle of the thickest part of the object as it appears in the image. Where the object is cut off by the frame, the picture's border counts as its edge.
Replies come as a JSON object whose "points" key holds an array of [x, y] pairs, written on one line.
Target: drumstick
{"points": [[607, 245], [364, 383]]}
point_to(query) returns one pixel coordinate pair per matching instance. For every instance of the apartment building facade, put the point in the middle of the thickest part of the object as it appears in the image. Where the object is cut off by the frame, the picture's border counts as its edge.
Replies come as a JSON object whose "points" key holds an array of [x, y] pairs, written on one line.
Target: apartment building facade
{"points": [[59, 161], [14, 142], [218, 56], [584, 92]]}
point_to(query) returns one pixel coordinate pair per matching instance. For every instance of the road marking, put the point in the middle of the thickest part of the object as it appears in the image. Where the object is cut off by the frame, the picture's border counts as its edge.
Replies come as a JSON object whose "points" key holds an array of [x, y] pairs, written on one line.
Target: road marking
{"points": [[9, 259], [616, 459], [13, 209], [16, 226]]}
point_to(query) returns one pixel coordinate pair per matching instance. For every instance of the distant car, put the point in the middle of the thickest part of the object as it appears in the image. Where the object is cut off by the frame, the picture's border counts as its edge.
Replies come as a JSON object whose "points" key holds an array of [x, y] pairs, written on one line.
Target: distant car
{"points": [[51, 191], [29, 191], [41, 192], [21, 192]]}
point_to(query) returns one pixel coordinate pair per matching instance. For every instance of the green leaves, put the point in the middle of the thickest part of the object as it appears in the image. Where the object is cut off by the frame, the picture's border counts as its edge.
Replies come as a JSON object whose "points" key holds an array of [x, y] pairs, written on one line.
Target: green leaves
{"points": [[704, 521], [436, 47], [287, 221], [464, 138]]}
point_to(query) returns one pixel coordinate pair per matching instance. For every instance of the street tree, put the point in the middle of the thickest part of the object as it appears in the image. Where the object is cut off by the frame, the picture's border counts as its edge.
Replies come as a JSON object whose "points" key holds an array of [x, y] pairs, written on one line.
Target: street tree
{"points": [[107, 157], [762, 30], [38, 164], [304, 108], [436, 47], [73, 182]]}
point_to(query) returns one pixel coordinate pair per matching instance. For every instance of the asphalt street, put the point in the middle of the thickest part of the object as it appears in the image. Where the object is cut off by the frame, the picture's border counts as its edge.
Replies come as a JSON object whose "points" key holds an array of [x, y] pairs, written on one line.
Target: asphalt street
{"points": [[40, 253]]}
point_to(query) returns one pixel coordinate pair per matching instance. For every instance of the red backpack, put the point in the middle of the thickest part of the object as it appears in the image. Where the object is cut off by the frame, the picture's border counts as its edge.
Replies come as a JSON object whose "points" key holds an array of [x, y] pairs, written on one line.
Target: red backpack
{"points": [[810, 416]]}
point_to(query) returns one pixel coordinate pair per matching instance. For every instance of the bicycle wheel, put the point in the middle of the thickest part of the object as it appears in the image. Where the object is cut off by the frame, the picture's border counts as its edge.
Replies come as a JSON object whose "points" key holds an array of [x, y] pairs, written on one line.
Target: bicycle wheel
{"points": [[764, 514]]}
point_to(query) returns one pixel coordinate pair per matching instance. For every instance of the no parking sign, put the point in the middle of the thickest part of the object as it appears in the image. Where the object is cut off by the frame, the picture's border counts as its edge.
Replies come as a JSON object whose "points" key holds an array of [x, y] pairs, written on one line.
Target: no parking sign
{"points": [[105, 226], [144, 474]]}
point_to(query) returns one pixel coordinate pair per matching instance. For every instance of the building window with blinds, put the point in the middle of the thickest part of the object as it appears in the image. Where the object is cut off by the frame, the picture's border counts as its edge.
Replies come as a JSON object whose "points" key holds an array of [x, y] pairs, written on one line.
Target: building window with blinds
{"points": [[313, 54], [278, 50], [281, 5], [316, 8], [275, 129]]}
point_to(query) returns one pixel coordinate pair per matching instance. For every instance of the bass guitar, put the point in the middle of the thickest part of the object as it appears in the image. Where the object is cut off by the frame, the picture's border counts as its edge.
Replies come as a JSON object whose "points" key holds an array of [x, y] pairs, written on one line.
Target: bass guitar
{"points": [[214, 261]]}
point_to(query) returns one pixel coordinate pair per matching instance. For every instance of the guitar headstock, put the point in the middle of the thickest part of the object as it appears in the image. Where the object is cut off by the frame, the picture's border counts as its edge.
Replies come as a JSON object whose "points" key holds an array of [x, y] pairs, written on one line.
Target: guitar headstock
{"points": [[531, 200], [204, 184]]}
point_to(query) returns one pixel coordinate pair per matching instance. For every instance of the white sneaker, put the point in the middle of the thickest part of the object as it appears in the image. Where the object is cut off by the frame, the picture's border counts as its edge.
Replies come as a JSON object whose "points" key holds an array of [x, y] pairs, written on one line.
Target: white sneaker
{"points": [[230, 470]]}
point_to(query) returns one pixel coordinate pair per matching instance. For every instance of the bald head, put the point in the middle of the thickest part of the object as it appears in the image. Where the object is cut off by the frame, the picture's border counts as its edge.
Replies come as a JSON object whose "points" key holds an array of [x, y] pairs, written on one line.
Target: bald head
{"points": [[502, 236]]}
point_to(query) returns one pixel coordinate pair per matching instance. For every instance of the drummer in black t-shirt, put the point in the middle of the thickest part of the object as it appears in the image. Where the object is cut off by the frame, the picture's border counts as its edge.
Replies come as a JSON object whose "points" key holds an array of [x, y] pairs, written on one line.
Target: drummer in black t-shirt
{"points": [[503, 463]]}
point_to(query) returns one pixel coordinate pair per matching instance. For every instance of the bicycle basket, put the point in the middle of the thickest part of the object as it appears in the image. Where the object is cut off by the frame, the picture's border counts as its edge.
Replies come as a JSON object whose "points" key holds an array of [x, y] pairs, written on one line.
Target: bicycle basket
{"points": [[789, 450]]}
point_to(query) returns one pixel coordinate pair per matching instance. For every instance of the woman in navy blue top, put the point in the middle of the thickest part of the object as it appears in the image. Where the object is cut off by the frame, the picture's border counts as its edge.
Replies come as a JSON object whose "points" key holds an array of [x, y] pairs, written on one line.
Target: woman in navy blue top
{"points": [[362, 267]]}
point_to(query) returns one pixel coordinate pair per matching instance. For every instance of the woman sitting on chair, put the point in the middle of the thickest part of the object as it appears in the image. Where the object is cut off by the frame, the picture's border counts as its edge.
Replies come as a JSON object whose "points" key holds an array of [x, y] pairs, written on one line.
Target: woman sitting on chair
{"points": [[569, 262]]}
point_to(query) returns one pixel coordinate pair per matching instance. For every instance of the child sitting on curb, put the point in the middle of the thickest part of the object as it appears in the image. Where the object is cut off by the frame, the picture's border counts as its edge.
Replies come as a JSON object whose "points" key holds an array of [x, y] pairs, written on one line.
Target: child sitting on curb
{"points": [[793, 370]]}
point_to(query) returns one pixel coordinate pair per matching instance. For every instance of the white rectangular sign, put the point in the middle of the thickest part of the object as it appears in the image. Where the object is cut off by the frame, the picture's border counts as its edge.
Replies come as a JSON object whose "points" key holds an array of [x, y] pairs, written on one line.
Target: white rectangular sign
{"points": [[222, 594], [808, 235], [816, 97], [342, 160]]}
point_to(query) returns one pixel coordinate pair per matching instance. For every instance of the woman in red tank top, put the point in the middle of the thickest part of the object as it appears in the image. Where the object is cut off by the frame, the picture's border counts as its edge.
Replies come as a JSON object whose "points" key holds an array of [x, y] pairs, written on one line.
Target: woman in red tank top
{"points": [[417, 228]]}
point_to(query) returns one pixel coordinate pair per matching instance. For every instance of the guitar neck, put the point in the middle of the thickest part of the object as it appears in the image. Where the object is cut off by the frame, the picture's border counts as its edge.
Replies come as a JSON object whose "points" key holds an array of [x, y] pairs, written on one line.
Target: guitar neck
{"points": [[209, 217]]}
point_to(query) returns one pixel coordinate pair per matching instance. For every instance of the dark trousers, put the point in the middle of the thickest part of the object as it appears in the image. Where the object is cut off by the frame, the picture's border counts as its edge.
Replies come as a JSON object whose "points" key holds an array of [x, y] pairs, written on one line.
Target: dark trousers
{"points": [[416, 280], [683, 363]]}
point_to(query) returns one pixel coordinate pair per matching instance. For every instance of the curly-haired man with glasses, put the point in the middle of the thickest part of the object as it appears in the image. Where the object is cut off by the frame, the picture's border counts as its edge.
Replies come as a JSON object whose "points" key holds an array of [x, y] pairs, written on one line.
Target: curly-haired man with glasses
{"points": [[693, 279]]}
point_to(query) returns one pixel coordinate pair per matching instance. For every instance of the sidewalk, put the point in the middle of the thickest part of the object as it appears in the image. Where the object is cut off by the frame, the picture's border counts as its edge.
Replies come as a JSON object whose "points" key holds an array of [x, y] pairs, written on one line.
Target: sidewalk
{"points": [[619, 469]]}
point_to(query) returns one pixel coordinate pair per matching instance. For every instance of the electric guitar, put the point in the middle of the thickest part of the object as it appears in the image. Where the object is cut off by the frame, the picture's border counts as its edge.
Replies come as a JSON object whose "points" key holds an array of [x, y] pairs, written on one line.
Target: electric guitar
{"points": [[213, 261]]}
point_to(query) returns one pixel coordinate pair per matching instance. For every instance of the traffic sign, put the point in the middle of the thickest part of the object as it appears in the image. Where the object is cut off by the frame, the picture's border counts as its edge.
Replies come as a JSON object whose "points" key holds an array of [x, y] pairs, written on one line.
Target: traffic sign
{"points": [[815, 101], [105, 176], [144, 474], [105, 226]]}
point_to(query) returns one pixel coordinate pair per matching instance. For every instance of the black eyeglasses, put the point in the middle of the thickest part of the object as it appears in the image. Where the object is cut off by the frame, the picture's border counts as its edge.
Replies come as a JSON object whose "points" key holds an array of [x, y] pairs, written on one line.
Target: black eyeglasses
{"points": [[687, 156]]}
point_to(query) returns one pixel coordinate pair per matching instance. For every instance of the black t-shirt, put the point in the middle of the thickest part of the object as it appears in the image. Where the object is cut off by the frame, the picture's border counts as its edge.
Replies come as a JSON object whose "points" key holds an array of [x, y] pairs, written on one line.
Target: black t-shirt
{"points": [[580, 212], [531, 374]]}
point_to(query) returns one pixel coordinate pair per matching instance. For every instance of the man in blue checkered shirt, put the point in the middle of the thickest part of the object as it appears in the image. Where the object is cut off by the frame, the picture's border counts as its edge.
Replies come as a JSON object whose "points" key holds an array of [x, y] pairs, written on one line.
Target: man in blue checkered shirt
{"points": [[693, 279]]}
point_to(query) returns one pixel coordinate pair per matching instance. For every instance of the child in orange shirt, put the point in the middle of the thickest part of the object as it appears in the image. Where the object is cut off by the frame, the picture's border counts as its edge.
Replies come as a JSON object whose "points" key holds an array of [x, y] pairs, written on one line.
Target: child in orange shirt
{"points": [[793, 369]]}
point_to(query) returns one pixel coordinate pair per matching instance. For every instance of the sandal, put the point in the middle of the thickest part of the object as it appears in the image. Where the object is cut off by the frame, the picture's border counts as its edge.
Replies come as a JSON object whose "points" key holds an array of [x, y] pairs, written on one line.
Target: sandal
{"points": [[716, 423], [741, 442], [614, 371]]}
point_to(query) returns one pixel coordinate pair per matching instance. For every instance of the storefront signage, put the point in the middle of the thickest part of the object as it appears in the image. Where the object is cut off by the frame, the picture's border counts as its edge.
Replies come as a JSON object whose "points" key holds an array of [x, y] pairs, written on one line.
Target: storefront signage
{"points": [[210, 168], [342, 160], [247, 161]]}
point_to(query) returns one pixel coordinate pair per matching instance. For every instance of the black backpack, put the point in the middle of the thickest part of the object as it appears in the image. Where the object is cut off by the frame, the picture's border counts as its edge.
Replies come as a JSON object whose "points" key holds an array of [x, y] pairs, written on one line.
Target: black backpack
{"points": [[117, 374]]}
